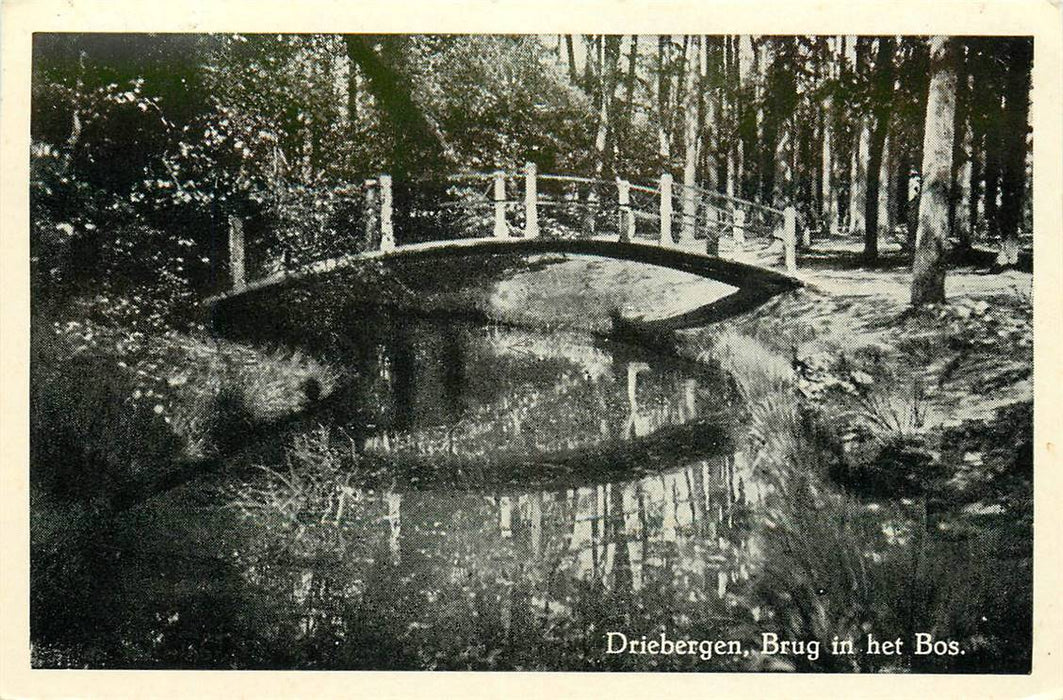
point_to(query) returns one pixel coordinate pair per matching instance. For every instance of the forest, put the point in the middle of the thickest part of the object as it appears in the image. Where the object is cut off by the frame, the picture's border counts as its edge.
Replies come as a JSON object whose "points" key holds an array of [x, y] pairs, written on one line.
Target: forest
{"points": [[282, 129], [483, 461]]}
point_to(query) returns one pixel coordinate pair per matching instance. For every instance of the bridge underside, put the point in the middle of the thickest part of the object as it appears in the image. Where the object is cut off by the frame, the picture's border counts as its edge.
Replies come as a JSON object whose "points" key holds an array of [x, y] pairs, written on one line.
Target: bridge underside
{"points": [[755, 284]]}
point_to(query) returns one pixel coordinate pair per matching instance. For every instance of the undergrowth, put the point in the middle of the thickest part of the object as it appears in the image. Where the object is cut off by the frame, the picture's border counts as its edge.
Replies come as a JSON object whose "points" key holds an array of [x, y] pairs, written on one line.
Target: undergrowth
{"points": [[865, 529]]}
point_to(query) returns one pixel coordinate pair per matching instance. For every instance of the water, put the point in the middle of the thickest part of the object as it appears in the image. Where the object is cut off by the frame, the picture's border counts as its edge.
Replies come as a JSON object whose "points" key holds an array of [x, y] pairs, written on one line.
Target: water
{"points": [[479, 496], [455, 392], [474, 497], [509, 514]]}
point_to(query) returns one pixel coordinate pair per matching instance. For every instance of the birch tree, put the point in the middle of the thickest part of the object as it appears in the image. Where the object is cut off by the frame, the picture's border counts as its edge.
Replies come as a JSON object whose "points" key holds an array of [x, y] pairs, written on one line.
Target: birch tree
{"points": [[928, 267]]}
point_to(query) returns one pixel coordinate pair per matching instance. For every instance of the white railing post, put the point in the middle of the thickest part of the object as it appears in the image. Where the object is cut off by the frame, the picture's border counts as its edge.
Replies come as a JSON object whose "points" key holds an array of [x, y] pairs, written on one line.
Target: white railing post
{"points": [[626, 222], [500, 205], [236, 252], [738, 228], [372, 223], [689, 203], [712, 231], [531, 201], [387, 227], [666, 209], [790, 238]]}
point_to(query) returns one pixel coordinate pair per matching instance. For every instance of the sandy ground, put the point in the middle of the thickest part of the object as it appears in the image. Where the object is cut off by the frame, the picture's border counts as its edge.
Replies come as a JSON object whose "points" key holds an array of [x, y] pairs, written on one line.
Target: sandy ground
{"points": [[578, 291], [970, 355]]}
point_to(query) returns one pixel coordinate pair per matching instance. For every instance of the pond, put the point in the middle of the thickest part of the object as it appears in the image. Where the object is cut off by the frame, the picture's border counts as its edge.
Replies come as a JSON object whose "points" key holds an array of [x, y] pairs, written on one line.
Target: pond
{"points": [[474, 494], [505, 512]]}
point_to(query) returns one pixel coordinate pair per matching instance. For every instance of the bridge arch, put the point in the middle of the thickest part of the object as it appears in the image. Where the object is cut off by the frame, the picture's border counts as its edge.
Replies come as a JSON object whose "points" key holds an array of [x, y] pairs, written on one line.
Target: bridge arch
{"points": [[703, 216]]}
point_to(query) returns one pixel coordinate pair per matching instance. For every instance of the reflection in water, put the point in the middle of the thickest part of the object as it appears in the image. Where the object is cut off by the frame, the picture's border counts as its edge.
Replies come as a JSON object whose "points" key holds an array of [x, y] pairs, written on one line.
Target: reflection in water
{"points": [[335, 555], [684, 531], [457, 390], [671, 538]]}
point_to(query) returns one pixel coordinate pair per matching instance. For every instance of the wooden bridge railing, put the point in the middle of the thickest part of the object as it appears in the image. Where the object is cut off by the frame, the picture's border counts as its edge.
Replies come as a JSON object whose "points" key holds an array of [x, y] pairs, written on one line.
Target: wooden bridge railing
{"points": [[618, 204]]}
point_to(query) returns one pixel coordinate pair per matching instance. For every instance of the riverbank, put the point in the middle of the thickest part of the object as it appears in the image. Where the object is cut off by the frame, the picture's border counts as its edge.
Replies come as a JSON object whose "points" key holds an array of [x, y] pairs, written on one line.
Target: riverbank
{"points": [[861, 406], [971, 355]]}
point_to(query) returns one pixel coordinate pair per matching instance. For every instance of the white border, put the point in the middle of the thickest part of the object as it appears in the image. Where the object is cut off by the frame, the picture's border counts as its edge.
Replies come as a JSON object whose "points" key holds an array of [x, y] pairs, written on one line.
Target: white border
{"points": [[21, 17]]}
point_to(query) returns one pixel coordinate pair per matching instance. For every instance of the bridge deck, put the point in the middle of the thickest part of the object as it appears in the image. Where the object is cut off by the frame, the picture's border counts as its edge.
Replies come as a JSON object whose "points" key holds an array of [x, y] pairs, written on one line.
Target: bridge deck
{"points": [[755, 284]]}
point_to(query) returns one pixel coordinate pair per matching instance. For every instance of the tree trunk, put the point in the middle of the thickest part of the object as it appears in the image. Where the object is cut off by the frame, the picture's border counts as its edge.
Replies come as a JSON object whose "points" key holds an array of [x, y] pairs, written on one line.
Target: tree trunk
{"points": [[1013, 167], [632, 74], [991, 184], [664, 149], [977, 171], [887, 200], [607, 84], [573, 74], [992, 114], [416, 142], [962, 221], [624, 125], [731, 92], [747, 116], [692, 126], [592, 67], [784, 106], [928, 267], [768, 124], [841, 143], [783, 191], [858, 186], [711, 111], [606, 72], [882, 92], [961, 153], [828, 202]]}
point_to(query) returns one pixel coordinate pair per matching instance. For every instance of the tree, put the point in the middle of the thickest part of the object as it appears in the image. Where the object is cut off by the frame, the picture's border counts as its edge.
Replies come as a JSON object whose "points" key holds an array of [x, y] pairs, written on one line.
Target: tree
{"points": [[416, 142], [881, 93], [610, 56], [664, 69], [858, 179], [626, 127], [779, 122], [828, 199], [747, 115], [928, 267], [693, 122], [1013, 170], [570, 51]]}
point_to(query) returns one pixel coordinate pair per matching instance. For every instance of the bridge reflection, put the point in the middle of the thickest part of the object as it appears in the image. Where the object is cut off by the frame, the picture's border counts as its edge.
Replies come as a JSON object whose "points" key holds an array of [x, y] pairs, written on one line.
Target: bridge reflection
{"points": [[448, 389], [674, 526], [685, 531]]}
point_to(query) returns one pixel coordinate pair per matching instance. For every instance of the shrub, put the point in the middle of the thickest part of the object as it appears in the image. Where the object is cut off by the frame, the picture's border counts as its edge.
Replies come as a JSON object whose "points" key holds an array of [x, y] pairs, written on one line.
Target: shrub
{"points": [[88, 438], [230, 419], [901, 467]]}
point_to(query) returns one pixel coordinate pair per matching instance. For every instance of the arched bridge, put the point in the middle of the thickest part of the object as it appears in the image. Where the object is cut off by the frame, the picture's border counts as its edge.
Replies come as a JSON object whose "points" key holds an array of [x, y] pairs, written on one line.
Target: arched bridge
{"points": [[732, 240]]}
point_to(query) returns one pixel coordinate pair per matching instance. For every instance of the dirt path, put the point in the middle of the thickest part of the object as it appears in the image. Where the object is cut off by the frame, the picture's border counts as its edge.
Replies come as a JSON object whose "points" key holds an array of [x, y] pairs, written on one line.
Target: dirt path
{"points": [[969, 356]]}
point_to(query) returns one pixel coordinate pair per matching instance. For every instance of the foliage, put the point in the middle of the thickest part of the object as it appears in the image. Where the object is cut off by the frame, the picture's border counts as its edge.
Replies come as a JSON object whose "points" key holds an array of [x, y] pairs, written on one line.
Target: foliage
{"points": [[90, 441]]}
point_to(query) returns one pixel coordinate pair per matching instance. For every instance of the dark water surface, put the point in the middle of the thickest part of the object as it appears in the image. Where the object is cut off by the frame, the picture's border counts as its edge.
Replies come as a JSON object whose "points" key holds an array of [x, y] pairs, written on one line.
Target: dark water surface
{"points": [[475, 497]]}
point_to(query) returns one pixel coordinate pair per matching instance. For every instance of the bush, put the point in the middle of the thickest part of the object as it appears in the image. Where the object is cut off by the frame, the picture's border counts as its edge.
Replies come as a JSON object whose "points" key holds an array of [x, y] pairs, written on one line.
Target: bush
{"points": [[88, 438], [902, 467], [229, 418]]}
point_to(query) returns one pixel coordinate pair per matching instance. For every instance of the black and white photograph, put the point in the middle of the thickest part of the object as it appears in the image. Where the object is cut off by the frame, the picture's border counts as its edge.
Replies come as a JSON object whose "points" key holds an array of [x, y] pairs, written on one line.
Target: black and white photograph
{"points": [[614, 352]]}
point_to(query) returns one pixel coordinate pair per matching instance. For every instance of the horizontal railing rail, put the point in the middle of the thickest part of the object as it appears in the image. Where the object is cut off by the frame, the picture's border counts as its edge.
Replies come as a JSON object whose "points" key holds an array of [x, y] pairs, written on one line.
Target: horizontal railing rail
{"points": [[527, 204]]}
